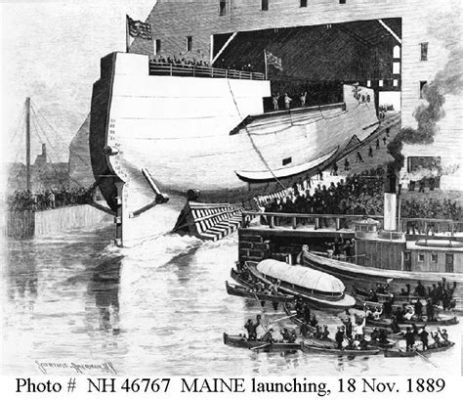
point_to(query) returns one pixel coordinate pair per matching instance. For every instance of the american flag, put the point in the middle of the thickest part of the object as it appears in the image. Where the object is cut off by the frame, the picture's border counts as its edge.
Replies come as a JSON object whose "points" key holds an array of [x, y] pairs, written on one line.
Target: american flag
{"points": [[138, 29], [274, 60]]}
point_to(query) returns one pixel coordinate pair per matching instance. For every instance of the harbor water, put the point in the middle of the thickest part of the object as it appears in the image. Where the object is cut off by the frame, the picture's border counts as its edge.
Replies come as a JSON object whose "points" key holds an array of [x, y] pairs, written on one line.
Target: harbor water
{"points": [[159, 307]]}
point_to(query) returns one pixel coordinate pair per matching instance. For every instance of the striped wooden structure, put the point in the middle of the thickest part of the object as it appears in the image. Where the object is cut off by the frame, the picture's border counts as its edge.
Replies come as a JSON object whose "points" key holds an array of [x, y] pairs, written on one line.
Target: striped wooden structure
{"points": [[209, 221]]}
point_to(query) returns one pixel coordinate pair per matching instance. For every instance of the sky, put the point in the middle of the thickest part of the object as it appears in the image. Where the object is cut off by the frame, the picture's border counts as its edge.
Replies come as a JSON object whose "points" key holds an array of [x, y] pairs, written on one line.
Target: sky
{"points": [[50, 51]]}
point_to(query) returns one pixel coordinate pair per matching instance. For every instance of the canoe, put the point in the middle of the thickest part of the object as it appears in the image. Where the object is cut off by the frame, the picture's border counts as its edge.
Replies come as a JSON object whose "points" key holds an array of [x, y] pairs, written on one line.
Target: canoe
{"points": [[401, 353], [241, 341], [309, 348], [242, 291]]}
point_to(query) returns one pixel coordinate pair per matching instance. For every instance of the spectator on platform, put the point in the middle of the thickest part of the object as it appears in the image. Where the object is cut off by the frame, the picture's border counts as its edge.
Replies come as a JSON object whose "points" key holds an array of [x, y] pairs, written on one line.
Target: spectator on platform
{"points": [[303, 98], [287, 101], [275, 98]]}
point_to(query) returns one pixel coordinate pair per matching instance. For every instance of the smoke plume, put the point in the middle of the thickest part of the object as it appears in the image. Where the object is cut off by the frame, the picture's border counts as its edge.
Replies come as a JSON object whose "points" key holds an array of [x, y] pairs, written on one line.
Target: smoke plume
{"points": [[447, 29]]}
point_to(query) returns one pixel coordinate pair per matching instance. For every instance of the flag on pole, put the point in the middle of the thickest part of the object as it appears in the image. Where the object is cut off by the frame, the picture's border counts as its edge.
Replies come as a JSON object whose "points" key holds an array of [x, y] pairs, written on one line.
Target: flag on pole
{"points": [[274, 61], [138, 29]]}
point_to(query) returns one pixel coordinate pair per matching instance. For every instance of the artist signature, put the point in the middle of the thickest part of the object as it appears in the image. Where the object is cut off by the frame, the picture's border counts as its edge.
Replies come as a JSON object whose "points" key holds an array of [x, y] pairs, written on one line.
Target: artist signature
{"points": [[78, 367]]}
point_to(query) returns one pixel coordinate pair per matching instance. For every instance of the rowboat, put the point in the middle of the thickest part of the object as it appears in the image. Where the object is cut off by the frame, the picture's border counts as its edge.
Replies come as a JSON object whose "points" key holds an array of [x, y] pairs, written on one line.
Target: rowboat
{"points": [[318, 289], [311, 348], [442, 321], [236, 290], [430, 350], [243, 342], [236, 276]]}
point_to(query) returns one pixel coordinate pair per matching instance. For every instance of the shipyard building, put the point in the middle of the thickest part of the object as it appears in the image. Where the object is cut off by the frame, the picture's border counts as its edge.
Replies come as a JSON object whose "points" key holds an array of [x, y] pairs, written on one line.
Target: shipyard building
{"points": [[396, 47]]}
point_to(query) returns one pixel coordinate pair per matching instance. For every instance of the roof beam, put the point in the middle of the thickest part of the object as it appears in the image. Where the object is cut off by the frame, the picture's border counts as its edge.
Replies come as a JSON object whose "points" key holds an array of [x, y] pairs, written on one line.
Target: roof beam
{"points": [[223, 47], [394, 35]]}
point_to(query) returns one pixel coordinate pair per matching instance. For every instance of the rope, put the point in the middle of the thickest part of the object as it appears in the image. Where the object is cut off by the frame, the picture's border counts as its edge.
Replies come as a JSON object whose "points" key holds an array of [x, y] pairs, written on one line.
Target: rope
{"points": [[252, 140], [37, 126]]}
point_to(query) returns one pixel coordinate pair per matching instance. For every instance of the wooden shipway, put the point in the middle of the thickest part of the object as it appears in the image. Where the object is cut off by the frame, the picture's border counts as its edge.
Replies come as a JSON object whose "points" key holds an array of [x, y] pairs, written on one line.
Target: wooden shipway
{"points": [[311, 348], [208, 221], [241, 291], [243, 342], [401, 353]]}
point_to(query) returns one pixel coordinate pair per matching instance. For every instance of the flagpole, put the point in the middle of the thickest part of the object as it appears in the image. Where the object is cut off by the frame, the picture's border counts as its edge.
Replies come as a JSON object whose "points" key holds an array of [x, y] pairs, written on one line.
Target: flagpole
{"points": [[127, 39], [265, 62]]}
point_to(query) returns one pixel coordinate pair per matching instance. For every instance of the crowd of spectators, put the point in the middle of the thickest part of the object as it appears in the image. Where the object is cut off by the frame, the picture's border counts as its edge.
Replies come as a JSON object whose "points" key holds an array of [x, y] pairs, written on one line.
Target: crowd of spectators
{"points": [[22, 200], [179, 61], [358, 194], [300, 94]]}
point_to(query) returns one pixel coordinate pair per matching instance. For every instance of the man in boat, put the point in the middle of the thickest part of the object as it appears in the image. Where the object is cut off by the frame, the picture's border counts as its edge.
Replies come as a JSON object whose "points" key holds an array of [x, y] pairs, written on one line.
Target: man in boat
{"points": [[267, 337], [372, 296], [358, 329], [286, 335], [339, 337], [444, 335], [409, 339], [382, 336], [424, 338], [387, 307], [313, 321], [250, 328], [304, 329], [306, 313], [418, 309], [292, 336], [300, 257], [377, 314], [394, 325], [325, 333], [374, 336], [436, 338], [420, 290], [408, 316], [429, 309], [348, 325], [257, 326]]}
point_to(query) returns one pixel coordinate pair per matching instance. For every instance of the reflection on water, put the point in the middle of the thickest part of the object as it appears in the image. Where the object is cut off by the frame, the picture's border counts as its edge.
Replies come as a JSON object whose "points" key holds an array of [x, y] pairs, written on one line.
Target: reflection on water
{"points": [[160, 307]]}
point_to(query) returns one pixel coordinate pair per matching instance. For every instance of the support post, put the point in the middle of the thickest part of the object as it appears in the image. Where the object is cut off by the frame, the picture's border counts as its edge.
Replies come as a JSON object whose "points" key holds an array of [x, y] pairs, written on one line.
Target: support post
{"points": [[28, 144], [119, 214]]}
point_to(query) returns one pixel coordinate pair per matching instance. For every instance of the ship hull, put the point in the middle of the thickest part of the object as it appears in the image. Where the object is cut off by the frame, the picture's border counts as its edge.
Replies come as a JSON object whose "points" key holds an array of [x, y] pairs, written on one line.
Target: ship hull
{"points": [[189, 133]]}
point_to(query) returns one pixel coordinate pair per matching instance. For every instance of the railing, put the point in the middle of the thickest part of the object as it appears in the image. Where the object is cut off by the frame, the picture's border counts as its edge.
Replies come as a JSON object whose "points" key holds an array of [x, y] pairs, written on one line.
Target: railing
{"points": [[423, 226], [168, 69], [319, 221], [431, 227]]}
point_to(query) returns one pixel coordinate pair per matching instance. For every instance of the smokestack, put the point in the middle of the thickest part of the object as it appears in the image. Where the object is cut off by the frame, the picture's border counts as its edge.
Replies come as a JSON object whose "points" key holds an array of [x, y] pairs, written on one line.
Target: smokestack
{"points": [[390, 201], [44, 152]]}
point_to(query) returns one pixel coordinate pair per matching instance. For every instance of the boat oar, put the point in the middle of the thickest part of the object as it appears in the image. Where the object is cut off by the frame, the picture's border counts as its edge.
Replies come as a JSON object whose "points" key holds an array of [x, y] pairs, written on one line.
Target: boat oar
{"points": [[262, 346], [282, 318], [425, 358]]}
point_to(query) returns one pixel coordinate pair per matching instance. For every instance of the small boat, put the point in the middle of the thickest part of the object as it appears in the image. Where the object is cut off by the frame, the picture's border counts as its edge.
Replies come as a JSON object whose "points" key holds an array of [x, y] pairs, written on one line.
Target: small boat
{"points": [[386, 322], [401, 353], [320, 290], [311, 348], [243, 342], [236, 276], [236, 290]]}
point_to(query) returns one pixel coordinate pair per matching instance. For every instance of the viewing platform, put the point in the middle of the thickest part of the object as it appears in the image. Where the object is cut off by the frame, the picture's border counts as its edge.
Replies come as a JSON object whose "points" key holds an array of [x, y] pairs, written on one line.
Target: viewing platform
{"points": [[306, 225], [169, 69]]}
